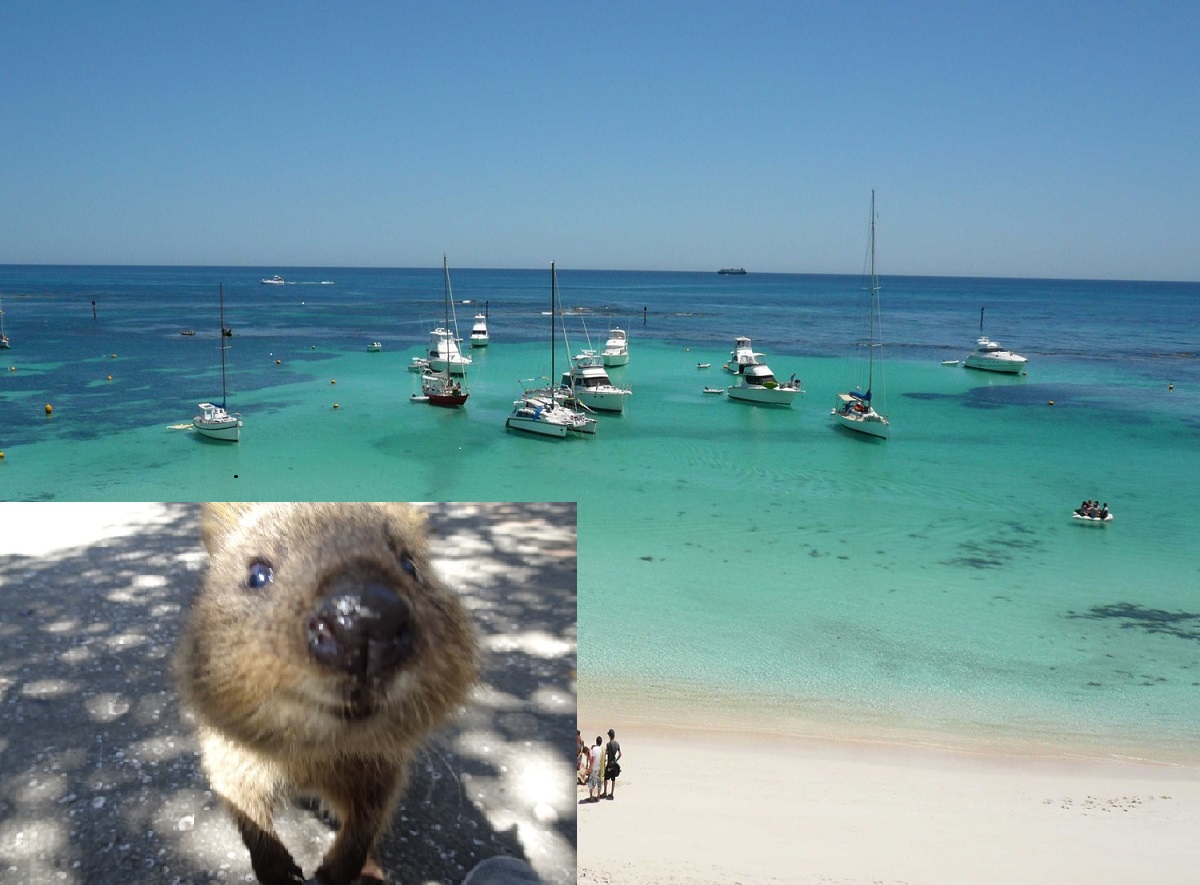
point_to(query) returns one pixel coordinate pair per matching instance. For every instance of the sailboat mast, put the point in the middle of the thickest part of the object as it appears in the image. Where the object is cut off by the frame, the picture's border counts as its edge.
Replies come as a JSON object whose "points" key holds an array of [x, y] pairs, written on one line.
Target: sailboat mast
{"points": [[553, 324], [221, 296], [874, 303]]}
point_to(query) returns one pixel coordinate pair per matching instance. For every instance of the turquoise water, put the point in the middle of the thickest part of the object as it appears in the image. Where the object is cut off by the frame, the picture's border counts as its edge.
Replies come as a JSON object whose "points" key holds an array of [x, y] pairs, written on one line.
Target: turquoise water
{"points": [[934, 582]]}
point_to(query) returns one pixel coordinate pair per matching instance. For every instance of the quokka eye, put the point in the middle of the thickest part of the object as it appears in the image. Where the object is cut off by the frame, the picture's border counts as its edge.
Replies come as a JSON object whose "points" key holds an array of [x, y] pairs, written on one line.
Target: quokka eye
{"points": [[259, 574], [410, 567]]}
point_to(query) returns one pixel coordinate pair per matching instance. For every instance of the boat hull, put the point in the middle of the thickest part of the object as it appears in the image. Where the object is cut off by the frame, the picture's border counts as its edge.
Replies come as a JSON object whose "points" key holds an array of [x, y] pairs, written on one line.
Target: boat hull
{"points": [[615, 359], [1091, 520], [763, 396], [537, 426], [601, 402], [1004, 367], [225, 431], [455, 367], [872, 423]]}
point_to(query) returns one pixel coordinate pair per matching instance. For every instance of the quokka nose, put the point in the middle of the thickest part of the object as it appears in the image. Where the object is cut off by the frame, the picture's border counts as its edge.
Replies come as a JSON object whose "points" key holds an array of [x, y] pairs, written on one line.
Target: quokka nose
{"points": [[363, 629]]}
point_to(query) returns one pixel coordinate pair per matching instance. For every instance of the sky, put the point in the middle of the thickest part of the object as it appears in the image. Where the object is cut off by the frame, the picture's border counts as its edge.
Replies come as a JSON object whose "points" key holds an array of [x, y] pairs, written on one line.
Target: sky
{"points": [[1016, 139]]}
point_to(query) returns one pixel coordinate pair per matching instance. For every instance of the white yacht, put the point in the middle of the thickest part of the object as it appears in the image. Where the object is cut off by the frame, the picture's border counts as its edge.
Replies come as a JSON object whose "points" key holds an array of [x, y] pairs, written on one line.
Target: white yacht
{"points": [[216, 423], [616, 348], [444, 354], [991, 356], [479, 331], [589, 385], [741, 356], [758, 385]]}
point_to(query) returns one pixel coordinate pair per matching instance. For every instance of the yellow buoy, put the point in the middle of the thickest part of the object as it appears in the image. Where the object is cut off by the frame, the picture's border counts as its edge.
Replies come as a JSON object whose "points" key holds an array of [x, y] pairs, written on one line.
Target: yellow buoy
{"points": [[1050, 403], [336, 406], [277, 362], [1, 456], [49, 408], [12, 368], [114, 356], [333, 381], [110, 377]]}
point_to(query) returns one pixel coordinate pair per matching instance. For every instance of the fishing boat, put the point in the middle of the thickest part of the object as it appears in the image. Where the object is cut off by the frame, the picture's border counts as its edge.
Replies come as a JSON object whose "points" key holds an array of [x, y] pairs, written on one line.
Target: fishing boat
{"points": [[742, 355], [855, 409], [540, 411], [276, 280], [4, 342], [758, 385], [732, 271], [375, 347], [479, 331], [616, 349], [214, 421], [438, 385], [587, 384], [990, 356]]}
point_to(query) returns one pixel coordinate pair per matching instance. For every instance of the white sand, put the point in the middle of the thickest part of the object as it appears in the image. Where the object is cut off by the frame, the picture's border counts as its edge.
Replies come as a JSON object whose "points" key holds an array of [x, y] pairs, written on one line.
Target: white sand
{"points": [[695, 807]]}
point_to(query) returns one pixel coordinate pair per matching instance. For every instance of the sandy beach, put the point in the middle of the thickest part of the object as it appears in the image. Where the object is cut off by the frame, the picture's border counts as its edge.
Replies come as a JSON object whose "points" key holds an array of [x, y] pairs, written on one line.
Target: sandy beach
{"points": [[728, 807]]}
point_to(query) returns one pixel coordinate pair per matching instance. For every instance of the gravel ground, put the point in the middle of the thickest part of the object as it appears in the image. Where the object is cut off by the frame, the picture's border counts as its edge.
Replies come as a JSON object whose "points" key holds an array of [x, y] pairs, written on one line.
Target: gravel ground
{"points": [[99, 777]]}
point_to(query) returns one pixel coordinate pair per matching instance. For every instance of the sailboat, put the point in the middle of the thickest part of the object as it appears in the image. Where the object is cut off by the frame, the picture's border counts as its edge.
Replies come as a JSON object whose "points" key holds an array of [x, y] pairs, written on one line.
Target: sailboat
{"points": [[440, 388], [855, 409], [539, 411], [4, 342], [213, 421]]}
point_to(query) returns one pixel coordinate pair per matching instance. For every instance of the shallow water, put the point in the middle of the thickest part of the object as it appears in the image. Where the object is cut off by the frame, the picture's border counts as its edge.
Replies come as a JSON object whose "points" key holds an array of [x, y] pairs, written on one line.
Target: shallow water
{"points": [[934, 581]]}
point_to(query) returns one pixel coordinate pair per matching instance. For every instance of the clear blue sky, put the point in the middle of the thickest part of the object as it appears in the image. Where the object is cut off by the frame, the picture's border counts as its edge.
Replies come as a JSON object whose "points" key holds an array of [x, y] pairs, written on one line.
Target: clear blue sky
{"points": [[1009, 139]]}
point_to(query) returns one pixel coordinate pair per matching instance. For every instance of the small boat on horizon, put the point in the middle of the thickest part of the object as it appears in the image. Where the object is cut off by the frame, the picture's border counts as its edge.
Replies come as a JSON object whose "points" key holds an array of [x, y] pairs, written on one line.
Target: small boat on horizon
{"points": [[276, 280], [375, 347], [734, 271]]}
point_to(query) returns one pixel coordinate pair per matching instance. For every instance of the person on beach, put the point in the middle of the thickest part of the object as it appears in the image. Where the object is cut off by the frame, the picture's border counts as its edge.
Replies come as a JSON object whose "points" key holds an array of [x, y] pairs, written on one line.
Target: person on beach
{"points": [[612, 768], [582, 758], [595, 761]]}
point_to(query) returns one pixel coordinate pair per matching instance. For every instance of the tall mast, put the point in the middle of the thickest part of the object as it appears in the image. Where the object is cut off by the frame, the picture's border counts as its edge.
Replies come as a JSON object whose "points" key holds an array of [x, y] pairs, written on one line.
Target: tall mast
{"points": [[874, 302], [221, 295], [553, 325]]}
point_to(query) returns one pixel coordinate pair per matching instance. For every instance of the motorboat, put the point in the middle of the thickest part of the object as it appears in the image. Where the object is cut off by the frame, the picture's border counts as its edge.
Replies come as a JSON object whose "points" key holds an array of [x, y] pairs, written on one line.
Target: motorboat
{"points": [[741, 356], [188, 333], [715, 391], [616, 349], [703, 365], [758, 385], [855, 409], [418, 364], [276, 280], [479, 331], [989, 355], [216, 423], [374, 347], [444, 353], [588, 384]]}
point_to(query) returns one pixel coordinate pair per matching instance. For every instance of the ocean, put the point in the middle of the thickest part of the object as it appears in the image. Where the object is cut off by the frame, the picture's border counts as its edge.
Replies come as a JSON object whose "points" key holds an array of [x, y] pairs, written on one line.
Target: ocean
{"points": [[752, 565]]}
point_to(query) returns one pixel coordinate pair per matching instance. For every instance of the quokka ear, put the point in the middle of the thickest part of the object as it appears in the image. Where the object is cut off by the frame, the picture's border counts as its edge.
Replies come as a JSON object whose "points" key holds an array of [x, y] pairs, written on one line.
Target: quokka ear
{"points": [[218, 520]]}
